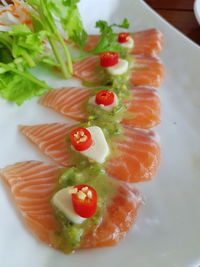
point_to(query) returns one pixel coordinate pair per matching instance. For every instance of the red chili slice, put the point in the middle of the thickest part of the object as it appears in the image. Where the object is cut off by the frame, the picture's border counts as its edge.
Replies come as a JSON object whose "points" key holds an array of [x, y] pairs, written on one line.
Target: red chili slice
{"points": [[122, 37], [105, 97], [108, 59], [81, 139], [86, 207]]}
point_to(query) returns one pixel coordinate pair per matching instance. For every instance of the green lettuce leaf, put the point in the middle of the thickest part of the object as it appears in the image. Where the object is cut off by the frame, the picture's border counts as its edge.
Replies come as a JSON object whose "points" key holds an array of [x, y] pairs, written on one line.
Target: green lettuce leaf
{"points": [[17, 84], [26, 43], [5, 55], [44, 19], [70, 19]]}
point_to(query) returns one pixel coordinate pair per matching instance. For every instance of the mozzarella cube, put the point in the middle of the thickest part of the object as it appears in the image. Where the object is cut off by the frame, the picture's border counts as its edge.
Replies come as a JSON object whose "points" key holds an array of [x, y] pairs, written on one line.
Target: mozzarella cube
{"points": [[63, 201], [120, 68], [107, 108], [99, 150], [129, 44]]}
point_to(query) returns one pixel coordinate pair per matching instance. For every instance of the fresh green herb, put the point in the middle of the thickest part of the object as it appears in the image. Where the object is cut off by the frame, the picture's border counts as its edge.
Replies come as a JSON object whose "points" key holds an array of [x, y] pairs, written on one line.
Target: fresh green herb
{"points": [[5, 40], [17, 84], [22, 42], [48, 16], [23, 48], [125, 24], [20, 49], [5, 55], [107, 41], [43, 18], [69, 16], [79, 38]]}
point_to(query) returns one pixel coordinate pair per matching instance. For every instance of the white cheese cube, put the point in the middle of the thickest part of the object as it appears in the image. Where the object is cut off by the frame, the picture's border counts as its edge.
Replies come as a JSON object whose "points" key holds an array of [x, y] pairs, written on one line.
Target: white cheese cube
{"points": [[99, 150], [120, 68], [129, 44], [107, 108], [63, 201]]}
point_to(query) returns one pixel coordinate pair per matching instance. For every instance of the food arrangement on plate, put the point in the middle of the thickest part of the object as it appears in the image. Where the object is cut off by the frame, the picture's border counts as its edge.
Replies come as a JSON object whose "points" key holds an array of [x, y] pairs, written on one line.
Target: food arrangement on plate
{"points": [[85, 200]]}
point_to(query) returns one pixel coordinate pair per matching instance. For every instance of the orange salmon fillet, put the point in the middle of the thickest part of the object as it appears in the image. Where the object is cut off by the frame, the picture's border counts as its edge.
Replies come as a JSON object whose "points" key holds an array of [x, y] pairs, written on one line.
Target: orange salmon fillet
{"points": [[144, 105], [148, 42], [137, 159], [50, 139], [146, 71], [32, 184], [68, 101], [139, 156], [120, 216], [85, 69]]}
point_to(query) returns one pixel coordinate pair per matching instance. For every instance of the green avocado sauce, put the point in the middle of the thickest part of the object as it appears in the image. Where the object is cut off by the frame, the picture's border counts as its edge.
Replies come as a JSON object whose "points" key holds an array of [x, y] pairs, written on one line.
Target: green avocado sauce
{"points": [[109, 120], [68, 235]]}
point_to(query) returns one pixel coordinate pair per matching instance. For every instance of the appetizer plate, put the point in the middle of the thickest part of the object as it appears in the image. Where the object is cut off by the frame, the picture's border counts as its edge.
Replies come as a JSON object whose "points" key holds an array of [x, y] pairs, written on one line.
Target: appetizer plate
{"points": [[167, 232], [197, 10]]}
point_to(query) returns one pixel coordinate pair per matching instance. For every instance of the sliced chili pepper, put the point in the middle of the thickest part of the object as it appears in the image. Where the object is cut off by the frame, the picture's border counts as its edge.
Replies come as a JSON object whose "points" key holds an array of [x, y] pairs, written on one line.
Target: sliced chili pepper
{"points": [[81, 139], [123, 37], [85, 200], [108, 59], [105, 97]]}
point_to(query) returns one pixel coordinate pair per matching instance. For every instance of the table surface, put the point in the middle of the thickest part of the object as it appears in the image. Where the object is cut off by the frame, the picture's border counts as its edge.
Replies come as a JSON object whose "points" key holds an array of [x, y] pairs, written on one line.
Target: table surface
{"points": [[180, 14]]}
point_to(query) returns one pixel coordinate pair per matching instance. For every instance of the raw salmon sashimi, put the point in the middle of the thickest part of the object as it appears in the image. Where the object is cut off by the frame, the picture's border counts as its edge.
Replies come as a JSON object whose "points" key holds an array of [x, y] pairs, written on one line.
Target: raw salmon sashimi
{"points": [[144, 105], [139, 156], [148, 42], [32, 184], [137, 159], [50, 139], [68, 101], [147, 71]]}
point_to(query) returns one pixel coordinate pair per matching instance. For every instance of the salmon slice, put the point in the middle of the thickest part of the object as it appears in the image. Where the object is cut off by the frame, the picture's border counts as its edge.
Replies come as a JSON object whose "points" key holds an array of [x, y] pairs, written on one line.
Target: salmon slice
{"points": [[32, 184], [139, 156], [50, 139], [148, 42], [119, 217], [85, 69], [137, 159], [68, 101], [144, 105], [147, 71]]}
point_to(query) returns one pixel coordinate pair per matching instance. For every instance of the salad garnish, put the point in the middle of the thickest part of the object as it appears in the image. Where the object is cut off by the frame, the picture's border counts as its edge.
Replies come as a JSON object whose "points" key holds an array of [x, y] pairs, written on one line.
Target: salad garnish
{"points": [[35, 32], [108, 41]]}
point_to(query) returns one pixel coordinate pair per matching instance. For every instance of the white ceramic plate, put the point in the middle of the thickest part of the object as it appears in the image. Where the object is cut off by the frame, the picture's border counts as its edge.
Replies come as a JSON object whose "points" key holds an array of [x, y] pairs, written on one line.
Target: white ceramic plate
{"points": [[197, 10], [167, 232]]}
